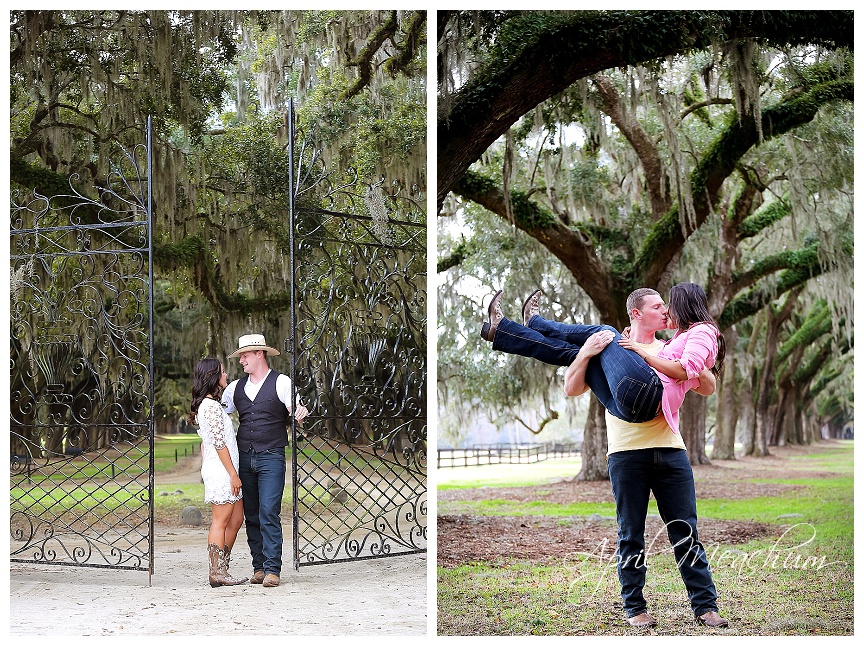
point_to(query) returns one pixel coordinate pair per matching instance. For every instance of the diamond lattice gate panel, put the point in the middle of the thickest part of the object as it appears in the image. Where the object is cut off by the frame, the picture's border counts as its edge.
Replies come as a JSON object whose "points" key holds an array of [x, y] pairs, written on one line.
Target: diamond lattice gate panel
{"points": [[81, 364], [359, 348]]}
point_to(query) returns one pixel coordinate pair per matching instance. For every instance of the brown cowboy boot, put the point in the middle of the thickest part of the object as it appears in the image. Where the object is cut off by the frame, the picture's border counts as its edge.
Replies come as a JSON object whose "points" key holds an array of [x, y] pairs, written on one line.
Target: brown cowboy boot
{"points": [[227, 561], [214, 574], [531, 307], [642, 620], [217, 568], [712, 619], [487, 332]]}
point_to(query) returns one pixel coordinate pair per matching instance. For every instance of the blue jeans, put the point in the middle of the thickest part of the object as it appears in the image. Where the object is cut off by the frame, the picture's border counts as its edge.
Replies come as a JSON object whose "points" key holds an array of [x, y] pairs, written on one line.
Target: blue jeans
{"points": [[625, 385], [668, 474], [263, 478]]}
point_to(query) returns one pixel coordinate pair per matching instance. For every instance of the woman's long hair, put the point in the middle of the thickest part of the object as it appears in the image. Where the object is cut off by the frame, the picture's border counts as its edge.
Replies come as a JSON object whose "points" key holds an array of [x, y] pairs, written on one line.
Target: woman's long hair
{"points": [[208, 374], [688, 306]]}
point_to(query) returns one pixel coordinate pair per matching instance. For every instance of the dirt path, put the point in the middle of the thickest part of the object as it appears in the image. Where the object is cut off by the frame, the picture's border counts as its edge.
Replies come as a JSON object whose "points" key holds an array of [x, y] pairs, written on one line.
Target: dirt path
{"points": [[189, 470], [373, 597]]}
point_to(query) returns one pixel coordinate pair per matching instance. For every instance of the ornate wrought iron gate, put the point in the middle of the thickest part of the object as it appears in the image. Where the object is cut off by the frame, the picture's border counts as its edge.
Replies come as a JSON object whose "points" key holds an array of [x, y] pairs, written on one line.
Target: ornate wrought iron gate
{"points": [[359, 364], [81, 403]]}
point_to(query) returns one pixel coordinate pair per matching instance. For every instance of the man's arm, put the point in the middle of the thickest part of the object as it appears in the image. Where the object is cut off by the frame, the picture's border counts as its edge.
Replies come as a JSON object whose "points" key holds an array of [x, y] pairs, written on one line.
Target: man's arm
{"points": [[707, 383], [283, 391], [228, 397], [574, 378]]}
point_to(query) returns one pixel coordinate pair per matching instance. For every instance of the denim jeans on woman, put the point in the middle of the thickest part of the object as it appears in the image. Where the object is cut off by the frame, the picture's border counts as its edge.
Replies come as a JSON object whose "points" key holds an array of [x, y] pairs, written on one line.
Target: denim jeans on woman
{"points": [[667, 473], [625, 385]]}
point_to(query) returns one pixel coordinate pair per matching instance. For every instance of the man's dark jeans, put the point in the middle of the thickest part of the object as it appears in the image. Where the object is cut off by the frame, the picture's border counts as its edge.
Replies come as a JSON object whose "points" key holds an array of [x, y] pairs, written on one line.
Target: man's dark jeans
{"points": [[263, 478], [668, 474], [625, 385]]}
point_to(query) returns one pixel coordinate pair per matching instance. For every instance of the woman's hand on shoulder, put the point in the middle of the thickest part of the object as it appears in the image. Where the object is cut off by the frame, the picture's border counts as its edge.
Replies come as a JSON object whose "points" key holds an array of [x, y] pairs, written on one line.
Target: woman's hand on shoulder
{"points": [[628, 344]]}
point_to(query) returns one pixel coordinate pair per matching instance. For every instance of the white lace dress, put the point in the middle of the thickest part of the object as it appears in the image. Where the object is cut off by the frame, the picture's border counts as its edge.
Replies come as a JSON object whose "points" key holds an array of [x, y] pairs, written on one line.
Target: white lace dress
{"points": [[216, 431]]}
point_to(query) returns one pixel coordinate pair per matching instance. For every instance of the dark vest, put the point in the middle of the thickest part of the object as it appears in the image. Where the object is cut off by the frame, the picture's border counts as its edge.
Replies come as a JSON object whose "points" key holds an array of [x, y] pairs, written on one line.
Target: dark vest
{"points": [[263, 422]]}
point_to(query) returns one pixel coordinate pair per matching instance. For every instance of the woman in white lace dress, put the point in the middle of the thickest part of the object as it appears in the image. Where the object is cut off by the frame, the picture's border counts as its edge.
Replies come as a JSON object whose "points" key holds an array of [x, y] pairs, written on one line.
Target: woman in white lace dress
{"points": [[219, 459]]}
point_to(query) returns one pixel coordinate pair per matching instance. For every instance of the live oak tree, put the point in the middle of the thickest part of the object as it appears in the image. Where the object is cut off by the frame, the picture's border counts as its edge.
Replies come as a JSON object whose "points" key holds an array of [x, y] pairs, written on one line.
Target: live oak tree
{"points": [[645, 148]]}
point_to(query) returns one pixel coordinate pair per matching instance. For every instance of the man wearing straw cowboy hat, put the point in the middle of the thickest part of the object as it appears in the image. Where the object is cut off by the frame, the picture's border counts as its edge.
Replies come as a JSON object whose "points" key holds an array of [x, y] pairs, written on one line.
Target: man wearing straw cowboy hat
{"points": [[263, 401]]}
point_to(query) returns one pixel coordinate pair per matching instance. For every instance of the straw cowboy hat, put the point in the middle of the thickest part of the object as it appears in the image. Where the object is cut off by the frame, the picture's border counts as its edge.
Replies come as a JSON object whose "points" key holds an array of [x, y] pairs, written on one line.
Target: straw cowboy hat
{"points": [[252, 342]]}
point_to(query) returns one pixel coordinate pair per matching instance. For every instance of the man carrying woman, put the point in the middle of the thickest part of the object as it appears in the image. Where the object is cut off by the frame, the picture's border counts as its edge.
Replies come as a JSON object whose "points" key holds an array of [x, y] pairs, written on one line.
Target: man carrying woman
{"points": [[645, 453]]}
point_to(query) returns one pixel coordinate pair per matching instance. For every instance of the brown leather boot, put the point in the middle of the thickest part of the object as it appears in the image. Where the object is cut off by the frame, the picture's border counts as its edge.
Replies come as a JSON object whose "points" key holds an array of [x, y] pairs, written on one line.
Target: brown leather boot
{"points": [[227, 561], [217, 568], [712, 619], [214, 553], [642, 620], [487, 332], [531, 307], [257, 577]]}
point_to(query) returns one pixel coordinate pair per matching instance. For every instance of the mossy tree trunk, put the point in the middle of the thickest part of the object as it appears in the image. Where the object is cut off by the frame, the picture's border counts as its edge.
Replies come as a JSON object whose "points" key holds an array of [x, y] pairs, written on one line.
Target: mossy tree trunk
{"points": [[594, 444], [691, 418], [748, 420], [728, 407]]}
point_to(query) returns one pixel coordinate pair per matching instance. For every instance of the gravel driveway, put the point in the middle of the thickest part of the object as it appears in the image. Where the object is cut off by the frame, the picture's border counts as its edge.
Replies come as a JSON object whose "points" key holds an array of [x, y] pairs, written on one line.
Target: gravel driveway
{"points": [[375, 597]]}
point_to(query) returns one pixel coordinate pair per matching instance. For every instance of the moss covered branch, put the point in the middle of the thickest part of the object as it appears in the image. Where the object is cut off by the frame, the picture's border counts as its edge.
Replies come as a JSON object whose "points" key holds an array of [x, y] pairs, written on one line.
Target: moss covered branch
{"points": [[191, 253], [792, 259], [539, 54], [817, 323], [575, 248], [751, 302], [37, 177], [668, 235], [414, 37], [454, 258], [763, 218], [814, 367], [363, 60]]}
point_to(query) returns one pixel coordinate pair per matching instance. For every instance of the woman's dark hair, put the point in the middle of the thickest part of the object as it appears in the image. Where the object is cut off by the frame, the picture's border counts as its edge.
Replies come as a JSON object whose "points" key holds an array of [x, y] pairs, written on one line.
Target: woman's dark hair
{"points": [[688, 306], [208, 373]]}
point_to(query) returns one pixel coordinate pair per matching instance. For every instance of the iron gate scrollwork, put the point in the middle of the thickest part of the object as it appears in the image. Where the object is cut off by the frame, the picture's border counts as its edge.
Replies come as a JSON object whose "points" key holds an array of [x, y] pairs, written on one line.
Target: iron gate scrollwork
{"points": [[81, 418], [359, 365]]}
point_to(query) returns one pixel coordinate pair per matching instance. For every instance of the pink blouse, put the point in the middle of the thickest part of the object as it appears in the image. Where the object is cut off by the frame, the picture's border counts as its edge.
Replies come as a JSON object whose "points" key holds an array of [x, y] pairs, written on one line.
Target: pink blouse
{"points": [[696, 349]]}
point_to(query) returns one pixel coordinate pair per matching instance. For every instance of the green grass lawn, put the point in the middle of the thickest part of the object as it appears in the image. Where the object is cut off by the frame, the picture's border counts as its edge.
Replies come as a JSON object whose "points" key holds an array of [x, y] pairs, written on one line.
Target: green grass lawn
{"points": [[123, 461], [798, 582], [169, 450], [133, 461], [85, 485]]}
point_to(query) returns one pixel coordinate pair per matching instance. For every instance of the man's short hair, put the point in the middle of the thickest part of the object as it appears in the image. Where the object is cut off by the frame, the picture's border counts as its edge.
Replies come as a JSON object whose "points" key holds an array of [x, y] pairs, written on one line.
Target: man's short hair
{"points": [[637, 299]]}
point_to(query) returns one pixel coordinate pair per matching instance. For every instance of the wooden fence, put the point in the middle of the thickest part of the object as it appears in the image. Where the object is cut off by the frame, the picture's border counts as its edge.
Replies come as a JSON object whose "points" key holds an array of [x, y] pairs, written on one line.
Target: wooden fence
{"points": [[481, 454]]}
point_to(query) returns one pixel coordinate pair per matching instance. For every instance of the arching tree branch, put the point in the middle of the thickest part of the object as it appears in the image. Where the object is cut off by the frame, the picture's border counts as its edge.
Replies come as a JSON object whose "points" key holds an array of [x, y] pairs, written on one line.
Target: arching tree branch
{"points": [[704, 104], [655, 178], [573, 248], [552, 52]]}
